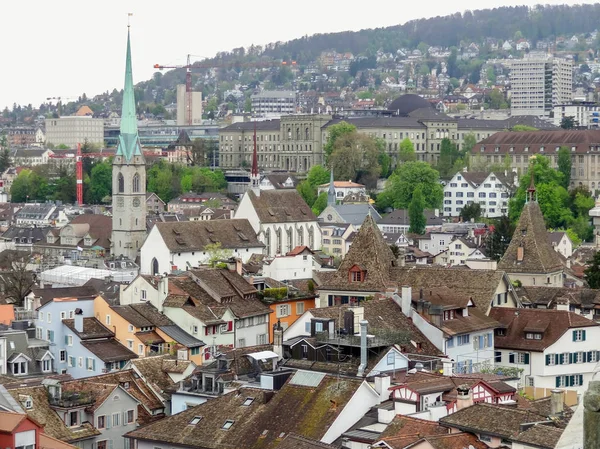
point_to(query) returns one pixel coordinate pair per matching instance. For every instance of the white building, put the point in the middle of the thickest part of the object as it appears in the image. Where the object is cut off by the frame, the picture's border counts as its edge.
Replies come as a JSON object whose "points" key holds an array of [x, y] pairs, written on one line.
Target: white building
{"points": [[274, 103], [562, 243], [297, 264], [181, 245], [586, 115], [538, 82], [553, 348], [491, 190], [343, 188], [31, 157], [72, 130], [183, 105], [458, 252], [435, 242], [281, 219]]}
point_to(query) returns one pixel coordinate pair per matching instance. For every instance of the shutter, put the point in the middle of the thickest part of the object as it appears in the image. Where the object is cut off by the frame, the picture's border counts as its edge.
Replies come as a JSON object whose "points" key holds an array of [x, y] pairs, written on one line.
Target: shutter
{"points": [[108, 421], [110, 444], [571, 381], [511, 358], [583, 335], [66, 339], [571, 357], [574, 335], [481, 342], [475, 343], [229, 326], [490, 340], [547, 359], [206, 330], [94, 365], [124, 422], [526, 362], [581, 379], [557, 381], [585, 357]]}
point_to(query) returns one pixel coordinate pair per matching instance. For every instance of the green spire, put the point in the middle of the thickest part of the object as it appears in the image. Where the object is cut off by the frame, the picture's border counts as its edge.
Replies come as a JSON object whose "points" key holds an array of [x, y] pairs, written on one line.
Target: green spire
{"points": [[129, 144]]}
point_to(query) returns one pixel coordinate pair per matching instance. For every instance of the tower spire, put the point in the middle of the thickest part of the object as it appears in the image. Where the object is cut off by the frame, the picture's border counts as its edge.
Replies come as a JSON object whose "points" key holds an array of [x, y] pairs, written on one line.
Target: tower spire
{"points": [[128, 140], [531, 188], [254, 175], [331, 190]]}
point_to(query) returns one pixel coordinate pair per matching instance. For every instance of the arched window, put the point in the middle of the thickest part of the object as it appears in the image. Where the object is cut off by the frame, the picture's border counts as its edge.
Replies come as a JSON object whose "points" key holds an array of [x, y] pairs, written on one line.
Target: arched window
{"points": [[121, 182], [154, 267], [307, 134], [300, 236], [136, 183], [290, 239], [279, 241], [311, 238], [297, 133], [268, 241]]}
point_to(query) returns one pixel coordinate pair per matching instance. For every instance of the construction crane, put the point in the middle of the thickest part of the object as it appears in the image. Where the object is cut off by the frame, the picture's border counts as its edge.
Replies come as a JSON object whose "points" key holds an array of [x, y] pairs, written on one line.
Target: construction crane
{"points": [[209, 65]]}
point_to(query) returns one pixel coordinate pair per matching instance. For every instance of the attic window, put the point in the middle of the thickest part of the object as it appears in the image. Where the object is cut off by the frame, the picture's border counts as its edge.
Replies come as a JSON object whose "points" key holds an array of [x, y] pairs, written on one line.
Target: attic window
{"points": [[237, 228], [195, 420], [227, 424], [176, 232], [213, 239], [180, 241], [242, 236], [248, 402], [533, 336], [356, 274], [287, 212]]}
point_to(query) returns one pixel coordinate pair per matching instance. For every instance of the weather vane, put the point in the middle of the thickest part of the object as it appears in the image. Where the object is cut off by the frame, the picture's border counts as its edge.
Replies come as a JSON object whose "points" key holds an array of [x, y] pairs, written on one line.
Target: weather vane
{"points": [[129, 14]]}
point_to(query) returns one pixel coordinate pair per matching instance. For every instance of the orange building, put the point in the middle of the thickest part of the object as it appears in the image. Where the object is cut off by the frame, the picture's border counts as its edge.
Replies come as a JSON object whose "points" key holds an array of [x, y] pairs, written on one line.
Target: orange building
{"points": [[287, 311], [146, 331], [7, 314]]}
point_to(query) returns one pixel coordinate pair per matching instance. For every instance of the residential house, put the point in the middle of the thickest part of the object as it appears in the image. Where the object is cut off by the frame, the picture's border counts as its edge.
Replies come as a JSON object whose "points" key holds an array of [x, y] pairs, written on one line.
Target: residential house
{"points": [[336, 238], [278, 181], [24, 238], [187, 244], [30, 157], [35, 215], [39, 297], [218, 306], [583, 301], [458, 252], [353, 214], [530, 257], [297, 264], [20, 431], [343, 189], [562, 243], [286, 310], [553, 348], [22, 356], [154, 203], [434, 242], [91, 348], [398, 221], [192, 200], [490, 190]]}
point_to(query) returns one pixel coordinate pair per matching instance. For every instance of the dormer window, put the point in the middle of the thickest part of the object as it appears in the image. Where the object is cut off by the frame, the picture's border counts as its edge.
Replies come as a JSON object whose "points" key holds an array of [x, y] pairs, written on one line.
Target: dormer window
{"points": [[500, 332], [449, 315], [357, 274], [533, 336]]}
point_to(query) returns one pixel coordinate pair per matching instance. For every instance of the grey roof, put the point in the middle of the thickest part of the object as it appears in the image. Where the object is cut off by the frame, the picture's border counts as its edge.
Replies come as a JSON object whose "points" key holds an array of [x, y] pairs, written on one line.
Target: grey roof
{"points": [[400, 217], [379, 122], [355, 213], [35, 211], [36, 234], [307, 378], [265, 125], [472, 123], [275, 94], [19, 153], [181, 336], [23, 346]]}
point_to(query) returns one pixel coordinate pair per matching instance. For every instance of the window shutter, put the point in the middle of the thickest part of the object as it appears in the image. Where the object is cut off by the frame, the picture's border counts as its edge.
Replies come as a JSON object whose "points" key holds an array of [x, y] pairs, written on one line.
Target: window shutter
{"points": [[229, 326], [66, 340], [108, 426], [511, 358], [585, 356], [561, 359], [574, 335], [571, 357], [93, 364], [490, 340], [206, 330], [110, 444], [580, 379], [589, 356], [526, 361], [571, 381], [557, 381], [583, 335], [547, 359], [124, 418]]}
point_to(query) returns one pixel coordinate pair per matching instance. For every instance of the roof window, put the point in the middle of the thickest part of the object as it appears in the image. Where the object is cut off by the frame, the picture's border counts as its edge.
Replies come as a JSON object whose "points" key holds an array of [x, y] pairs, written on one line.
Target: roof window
{"points": [[227, 425], [195, 420], [248, 402]]}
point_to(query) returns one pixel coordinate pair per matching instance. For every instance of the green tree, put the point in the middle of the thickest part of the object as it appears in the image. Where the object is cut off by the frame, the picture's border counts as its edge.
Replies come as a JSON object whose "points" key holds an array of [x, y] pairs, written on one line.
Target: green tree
{"points": [[320, 204], [448, 155], [100, 184], [496, 100], [564, 165], [416, 214], [65, 188], [567, 122], [574, 237], [216, 253], [307, 192], [4, 159], [470, 212], [469, 143], [407, 151], [592, 272], [406, 178], [355, 156], [318, 175], [334, 132], [20, 188], [501, 232]]}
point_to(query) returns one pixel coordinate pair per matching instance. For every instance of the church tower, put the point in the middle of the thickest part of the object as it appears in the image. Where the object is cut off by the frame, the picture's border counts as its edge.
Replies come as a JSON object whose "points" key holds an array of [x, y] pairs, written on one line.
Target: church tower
{"points": [[128, 178]]}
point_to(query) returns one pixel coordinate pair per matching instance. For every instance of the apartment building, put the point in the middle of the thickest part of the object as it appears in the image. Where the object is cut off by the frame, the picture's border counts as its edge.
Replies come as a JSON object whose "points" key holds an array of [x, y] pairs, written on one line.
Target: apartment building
{"points": [[185, 116], [520, 147], [490, 190], [274, 103], [538, 82], [585, 114], [72, 130]]}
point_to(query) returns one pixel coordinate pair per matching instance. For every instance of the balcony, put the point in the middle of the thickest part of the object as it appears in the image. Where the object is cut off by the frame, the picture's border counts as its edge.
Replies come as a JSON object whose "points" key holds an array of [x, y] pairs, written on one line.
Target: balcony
{"points": [[71, 399]]}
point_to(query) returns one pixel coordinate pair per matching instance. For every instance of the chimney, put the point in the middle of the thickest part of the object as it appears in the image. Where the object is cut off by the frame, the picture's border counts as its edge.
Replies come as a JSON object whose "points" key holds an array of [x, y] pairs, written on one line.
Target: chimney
{"points": [[238, 266], [556, 402], [382, 386], [464, 397], [406, 300], [447, 367], [363, 348], [278, 339], [79, 320]]}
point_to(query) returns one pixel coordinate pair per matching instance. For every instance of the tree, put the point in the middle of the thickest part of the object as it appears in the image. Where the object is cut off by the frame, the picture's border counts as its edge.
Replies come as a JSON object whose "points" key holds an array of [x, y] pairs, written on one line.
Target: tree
{"points": [[307, 192], [499, 238], [20, 188], [406, 178], [496, 100], [100, 184], [469, 143], [333, 133], [470, 212], [567, 122], [448, 155], [18, 282], [407, 151], [4, 158], [320, 204], [592, 272], [415, 213], [355, 156], [564, 165], [318, 175], [216, 254]]}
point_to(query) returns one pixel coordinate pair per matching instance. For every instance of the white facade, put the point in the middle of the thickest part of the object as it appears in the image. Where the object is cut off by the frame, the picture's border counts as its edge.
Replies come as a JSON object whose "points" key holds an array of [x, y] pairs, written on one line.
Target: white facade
{"points": [[183, 112], [343, 188], [436, 242], [545, 370], [492, 195], [538, 82], [274, 103], [140, 290], [457, 254], [284, 268], [154, 247], [564, 246], [72, 130], [585, 115]]}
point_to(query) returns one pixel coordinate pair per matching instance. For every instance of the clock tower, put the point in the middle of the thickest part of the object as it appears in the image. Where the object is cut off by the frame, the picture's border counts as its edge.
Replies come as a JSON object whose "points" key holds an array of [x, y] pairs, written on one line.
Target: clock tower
{"points": [[128, 178]]}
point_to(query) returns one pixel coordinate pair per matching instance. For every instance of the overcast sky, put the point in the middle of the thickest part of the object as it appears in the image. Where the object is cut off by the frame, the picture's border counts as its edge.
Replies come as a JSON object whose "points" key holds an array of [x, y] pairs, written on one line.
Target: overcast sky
{"points": [[69, 47]]}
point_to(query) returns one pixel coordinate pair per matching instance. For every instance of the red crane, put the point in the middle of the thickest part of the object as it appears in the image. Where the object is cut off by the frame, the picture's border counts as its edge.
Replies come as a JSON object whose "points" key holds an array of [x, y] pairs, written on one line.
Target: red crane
{"points": [[209, 65]]}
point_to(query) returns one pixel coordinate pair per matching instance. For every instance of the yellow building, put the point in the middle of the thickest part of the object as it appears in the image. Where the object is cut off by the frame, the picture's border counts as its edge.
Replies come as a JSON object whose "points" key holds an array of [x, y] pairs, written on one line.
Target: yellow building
{"points": [[146, 331]]}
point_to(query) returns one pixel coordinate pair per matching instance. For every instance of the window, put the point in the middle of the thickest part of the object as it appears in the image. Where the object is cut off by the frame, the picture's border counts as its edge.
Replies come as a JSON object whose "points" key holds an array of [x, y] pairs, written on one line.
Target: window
{"points": [[73, 419], [579, 335], [131, 328], [121, 182], [63, 315], [565, 358], [62, 356], [136, 183], [71, 361], [497, 357], [578, 357], [248, 402], [101, 422], [550, 359], [241, 343], [227, 425], [592, 356], [46, 366], [70, 340], [49, 317], [573, 380], [283, 310], [195, 420], [80, 362], [19, 368], [261, 339], [450, 342], [71, 314], [463, 339], [143, 295], [299, 308], [485, 438], [130, 416], [41, 316], [90, 364], [533, 336], [140, 349], [116, 419], [108, 320]]}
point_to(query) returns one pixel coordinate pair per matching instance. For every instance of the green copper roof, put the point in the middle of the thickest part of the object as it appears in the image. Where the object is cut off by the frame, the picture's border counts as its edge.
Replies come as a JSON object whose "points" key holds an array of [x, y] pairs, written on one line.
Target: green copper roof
{"points": [[129, 143]]}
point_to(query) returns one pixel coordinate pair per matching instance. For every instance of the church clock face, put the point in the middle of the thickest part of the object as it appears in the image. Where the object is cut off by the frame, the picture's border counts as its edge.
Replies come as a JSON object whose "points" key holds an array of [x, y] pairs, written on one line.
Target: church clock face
{"points": [[136, 202], [329, 217], [120, 202]]}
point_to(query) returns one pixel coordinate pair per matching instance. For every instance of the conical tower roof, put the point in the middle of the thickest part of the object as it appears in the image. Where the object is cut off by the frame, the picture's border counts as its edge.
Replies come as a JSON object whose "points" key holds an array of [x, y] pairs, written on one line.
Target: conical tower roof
{"points": [[370, 254], [129, 142], [530, 250]]}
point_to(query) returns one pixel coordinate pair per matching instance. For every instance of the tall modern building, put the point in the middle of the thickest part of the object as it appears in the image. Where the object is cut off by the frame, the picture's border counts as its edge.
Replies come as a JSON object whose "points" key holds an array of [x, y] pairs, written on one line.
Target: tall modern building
{"points": [[538, 82], [274, 103], [183, 105], [129, 178]]}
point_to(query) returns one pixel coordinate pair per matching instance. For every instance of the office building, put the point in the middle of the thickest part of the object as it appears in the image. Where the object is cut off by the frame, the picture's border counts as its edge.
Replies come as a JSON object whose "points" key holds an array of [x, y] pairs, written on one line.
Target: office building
{"points": [[274, 103], [72, 130], [183, 103]]}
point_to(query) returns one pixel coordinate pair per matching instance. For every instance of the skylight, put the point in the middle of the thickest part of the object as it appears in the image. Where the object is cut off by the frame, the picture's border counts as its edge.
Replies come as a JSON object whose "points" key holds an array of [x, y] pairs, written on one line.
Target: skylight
{"points": [[248, 401], [195, 420], [227, 424]]}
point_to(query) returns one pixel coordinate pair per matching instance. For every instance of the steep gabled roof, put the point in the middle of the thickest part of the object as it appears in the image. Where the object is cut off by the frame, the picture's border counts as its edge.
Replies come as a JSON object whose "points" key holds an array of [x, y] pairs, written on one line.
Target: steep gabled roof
{"points": [[530, 238], [281, 206], [369, 253]]}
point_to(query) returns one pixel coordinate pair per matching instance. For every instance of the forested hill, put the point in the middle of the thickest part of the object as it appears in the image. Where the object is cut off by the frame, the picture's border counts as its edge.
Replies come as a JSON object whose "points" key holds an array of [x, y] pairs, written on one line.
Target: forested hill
{"points": [[535, 23]]}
